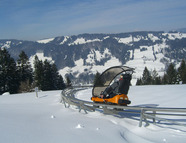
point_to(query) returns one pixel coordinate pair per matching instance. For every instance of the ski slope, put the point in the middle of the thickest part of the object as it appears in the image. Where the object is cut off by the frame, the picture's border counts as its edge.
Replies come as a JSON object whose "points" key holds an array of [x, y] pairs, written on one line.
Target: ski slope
{"points": [[27, 119]]}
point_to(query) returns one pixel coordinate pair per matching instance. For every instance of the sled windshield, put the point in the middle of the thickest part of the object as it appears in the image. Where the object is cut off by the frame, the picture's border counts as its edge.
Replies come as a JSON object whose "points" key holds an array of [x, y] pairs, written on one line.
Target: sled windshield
{"points": [[107, 77]]}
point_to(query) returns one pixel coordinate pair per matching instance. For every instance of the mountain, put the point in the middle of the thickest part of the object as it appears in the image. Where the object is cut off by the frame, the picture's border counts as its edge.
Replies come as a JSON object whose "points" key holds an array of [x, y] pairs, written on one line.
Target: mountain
{"points": [[182, 30], [81, 56]]}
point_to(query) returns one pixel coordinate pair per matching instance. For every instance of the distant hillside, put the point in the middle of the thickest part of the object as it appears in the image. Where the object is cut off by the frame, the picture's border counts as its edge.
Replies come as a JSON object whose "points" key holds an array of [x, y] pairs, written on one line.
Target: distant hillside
{"points": [[81, 56], [182, 30]]}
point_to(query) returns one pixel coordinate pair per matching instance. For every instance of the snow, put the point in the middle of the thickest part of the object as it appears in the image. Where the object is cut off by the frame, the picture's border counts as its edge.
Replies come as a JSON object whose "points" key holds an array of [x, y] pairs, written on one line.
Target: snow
{"points": [[41, 56], [6, 93], [25, 118], [138, 38], [126, 40], [90, 61], [152, 37], [106, 37], [96, 55], [65, 39], [44, 41], [83, 41], [90, 57], [6, 45], [173, 36], [152, 57], [112, 61]]}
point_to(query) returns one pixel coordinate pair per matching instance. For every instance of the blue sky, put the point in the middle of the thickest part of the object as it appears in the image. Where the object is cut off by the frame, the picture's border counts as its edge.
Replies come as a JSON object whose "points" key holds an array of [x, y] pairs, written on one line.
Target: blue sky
{"points": [[39, 19]]}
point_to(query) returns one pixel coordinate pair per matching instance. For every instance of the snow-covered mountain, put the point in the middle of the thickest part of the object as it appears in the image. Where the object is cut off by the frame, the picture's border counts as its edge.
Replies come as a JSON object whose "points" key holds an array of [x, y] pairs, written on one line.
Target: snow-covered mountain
{"points": [[83, 55]]}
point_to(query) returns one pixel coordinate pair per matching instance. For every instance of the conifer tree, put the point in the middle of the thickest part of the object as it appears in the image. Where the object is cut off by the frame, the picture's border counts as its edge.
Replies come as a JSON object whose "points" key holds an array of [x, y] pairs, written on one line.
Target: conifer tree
{"points": [[156, 80], [139, 81], [146, 78], [38, 73], [182, 72], [47, 76], [57, 78], [97, 80], [164, 79], [60, 83], [68, 82], [171, 74], [48, 81], [9, 81], [25, 71]]}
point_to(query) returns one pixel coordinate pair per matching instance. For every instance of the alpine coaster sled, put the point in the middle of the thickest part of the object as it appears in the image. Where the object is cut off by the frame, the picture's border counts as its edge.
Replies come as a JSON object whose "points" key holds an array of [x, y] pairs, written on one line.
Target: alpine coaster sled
{"points": [[110, 91]]}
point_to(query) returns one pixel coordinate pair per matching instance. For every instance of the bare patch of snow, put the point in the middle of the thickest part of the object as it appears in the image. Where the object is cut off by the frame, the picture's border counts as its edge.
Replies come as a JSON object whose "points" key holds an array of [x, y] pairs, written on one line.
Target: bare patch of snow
{"points": [[6, 45], [152, 37], [44, 41], [126, 40], [83, 41], [6, 93], [41, 56], [65, 39]]}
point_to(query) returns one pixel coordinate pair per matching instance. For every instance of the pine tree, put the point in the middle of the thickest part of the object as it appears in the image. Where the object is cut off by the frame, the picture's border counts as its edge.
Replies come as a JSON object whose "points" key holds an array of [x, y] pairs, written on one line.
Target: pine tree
{"points": [[156, 80], [9, 81], [60, 83], [38, 73], [47, 76], [154, 76], [164, 79], [139, 81], [68, 82], [182, 72], [171, 74], [97, 80], [58, 79], [25, 71], [48, 81], [146, 78]]}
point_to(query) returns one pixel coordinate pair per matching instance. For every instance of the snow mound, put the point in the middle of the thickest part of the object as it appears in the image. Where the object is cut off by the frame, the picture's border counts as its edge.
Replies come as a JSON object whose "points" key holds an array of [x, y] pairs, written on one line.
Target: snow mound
{"points": [[79, 126], [6, 93], [52, 117]]}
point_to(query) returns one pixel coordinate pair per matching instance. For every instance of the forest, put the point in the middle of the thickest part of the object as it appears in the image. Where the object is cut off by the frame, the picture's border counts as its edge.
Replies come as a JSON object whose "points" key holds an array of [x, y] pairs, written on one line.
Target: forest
{"points": [[18, 76], [171, 76]]}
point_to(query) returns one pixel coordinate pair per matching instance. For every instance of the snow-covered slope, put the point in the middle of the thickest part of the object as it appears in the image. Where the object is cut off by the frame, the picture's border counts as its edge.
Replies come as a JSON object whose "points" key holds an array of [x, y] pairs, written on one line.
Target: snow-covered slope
{"points": [[27, 119], [45, 40]]}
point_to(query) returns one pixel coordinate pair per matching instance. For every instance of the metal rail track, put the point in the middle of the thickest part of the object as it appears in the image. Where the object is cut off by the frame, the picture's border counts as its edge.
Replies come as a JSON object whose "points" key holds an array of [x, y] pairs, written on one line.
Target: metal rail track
{"points": [[146, 114]]}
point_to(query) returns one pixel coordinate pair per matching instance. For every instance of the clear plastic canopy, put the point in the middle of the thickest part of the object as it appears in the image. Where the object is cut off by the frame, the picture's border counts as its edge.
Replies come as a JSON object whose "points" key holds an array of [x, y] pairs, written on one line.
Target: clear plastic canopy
{"points": [[107, 77]]}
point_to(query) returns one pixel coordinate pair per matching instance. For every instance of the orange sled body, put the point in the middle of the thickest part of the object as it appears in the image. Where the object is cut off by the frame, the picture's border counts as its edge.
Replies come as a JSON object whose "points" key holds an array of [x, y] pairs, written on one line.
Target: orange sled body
{"points": [[121, 99]]}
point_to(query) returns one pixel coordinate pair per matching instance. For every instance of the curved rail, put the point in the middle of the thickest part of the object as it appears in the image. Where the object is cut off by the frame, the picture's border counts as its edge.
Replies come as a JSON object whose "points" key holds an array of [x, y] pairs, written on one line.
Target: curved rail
{"points": [[146, 113]]}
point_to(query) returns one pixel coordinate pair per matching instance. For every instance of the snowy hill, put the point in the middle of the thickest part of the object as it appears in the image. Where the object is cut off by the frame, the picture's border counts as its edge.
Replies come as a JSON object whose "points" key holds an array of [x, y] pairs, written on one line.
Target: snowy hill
{"points": [[81, 56], [27, 119]]}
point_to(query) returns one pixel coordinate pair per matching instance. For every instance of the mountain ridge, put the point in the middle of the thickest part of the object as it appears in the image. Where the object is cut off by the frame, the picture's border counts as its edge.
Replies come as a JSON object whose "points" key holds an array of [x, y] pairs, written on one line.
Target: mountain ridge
{"points": [[81, 56]]}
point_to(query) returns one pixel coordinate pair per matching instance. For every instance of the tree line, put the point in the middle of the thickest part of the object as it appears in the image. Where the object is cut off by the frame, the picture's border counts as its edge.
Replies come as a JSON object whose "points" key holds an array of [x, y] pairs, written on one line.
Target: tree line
{"points": [[18, 76], [172, 75]]}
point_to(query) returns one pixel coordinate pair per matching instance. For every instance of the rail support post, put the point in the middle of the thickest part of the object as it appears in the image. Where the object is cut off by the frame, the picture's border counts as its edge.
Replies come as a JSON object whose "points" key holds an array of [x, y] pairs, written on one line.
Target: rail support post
{"points": [[154, 114], [141, 117], [63, 100], [81, 106]]}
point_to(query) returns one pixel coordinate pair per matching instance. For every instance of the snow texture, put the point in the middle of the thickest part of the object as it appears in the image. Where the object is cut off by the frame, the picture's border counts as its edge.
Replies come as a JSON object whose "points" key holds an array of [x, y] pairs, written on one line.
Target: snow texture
{"points": [[41, 57], [27, 119], [44, 41]]}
